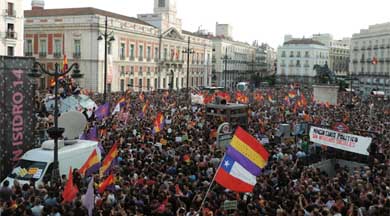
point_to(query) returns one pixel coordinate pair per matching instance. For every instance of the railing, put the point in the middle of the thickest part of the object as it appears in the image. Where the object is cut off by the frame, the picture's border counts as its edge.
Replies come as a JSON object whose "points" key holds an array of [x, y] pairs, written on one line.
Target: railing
{"points": [[122, 57], [306, 65], [382, 46], [28, 54], [42, 54], [369, 48], [141, 58], [355, 61], [307, 56], [132, 58], [298, 65], [387, 60], [77, 55], [148, 59], [362, 48], [11, 13], [291, 65], [355, 49], [10, 35], [57, 55], [375, 46]]}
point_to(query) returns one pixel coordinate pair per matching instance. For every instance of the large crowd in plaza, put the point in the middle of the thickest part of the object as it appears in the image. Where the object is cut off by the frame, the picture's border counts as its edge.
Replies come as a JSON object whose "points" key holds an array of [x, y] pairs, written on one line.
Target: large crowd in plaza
{"points": [[157, 174]]}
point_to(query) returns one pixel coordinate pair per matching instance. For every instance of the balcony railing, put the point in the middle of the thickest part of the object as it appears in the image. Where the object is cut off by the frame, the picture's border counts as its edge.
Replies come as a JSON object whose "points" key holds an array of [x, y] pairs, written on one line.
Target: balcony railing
{"points": [[355, 49], [362, 48], [387, 59], [132, 58], [11, 35], [291, 65], [298, 65], [122, 57], [28, 54], [306, 65], [77, 55], [57, 55], [369, 48], [11, 13], [148, 59], [375, 47], [42, 54], [382, 46], [362, 61], [141, 58], [355, 61], [307, 56]]}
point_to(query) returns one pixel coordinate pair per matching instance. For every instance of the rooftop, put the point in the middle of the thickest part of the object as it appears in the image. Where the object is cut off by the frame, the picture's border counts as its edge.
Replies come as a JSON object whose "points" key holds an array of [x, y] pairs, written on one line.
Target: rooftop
{"points": [[303, 41], [80, 11]]}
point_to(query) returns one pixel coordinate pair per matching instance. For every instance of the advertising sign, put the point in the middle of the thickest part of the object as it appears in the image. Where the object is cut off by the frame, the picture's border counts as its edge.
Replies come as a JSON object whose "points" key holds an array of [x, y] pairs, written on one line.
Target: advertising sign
{"points": [[224, 135], [338, 140], [16, 111]]}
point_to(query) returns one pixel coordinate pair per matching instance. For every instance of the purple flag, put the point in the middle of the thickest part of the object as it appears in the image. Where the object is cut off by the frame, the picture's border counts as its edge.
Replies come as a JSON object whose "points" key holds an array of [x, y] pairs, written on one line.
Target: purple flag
{"points": [[103, 111], [90, 135], [89, 198]]}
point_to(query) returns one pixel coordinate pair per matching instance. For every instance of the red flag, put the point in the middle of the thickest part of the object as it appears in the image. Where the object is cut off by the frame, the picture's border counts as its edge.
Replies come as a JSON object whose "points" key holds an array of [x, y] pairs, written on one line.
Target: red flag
{"points": [[70, 190], [109, 181], [223, 95]]}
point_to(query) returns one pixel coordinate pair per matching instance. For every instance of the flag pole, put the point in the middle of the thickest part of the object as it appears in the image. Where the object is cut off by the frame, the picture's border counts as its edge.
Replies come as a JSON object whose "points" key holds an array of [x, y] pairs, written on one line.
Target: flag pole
{"points": [[211, 183]]}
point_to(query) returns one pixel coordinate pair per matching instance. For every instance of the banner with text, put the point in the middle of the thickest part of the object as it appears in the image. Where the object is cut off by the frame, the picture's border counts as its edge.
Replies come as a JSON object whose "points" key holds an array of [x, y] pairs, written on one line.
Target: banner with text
{"points": [[16, 111], [343, 141]]}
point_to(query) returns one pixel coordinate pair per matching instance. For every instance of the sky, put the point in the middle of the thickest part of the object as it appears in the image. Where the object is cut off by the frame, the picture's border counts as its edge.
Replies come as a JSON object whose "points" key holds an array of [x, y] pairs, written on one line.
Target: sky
{"points": [[262, 20]]}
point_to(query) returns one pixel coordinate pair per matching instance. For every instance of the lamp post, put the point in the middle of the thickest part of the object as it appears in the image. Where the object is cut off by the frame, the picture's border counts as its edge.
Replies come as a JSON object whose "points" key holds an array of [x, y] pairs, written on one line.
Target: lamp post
{"points": [[188, 51], [108, 38], [225, 60], [55, 132]]}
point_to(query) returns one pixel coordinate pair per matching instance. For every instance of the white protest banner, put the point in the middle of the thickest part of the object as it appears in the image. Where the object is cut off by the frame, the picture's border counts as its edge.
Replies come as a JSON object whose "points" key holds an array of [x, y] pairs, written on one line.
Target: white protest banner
{"points": [[343, 141]]}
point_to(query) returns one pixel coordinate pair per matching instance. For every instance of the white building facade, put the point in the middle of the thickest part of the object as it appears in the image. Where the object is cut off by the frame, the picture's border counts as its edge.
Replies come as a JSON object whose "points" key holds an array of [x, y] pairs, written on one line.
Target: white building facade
{"points": [[142, 57], [297, 58], [239, 64], [370, 59], [11, 22]]}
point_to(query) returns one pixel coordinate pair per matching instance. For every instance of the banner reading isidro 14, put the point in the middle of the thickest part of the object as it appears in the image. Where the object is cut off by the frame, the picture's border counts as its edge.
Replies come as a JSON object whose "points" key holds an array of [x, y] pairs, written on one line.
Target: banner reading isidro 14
{"points": [[343, 141], [16, 110]]}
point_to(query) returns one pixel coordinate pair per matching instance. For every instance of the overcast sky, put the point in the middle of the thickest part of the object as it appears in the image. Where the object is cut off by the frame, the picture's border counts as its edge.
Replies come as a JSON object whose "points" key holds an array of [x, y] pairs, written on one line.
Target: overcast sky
{"points": [[263, 20]]}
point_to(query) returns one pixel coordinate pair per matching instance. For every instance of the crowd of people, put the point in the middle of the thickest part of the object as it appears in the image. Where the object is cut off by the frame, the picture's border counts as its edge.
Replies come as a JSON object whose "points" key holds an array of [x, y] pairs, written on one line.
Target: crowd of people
{"points": [[159, 174]]}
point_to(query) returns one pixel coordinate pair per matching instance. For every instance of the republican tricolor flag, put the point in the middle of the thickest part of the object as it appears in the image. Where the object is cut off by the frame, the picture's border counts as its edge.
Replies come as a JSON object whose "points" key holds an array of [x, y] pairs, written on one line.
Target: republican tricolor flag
{"points": [[109, 159], [243, 161], [158, 123], [91, 165]]}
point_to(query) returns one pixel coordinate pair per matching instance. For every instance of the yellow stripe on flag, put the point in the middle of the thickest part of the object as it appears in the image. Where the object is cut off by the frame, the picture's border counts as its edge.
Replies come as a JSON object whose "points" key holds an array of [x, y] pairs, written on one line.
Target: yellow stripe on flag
{"points": [[248, 152]]}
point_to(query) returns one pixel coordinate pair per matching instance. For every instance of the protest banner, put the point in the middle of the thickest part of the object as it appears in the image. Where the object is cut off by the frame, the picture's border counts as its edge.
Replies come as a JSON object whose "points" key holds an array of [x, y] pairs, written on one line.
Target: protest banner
{"points": [[338, 140]]}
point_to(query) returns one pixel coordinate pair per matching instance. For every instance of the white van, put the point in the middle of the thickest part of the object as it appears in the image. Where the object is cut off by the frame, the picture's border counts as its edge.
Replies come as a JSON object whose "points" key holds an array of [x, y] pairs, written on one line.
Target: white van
{"points": [[37, 164]]}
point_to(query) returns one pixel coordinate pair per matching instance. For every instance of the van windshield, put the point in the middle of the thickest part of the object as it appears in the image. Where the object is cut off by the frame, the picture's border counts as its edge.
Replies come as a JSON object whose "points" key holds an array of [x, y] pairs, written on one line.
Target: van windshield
{"points": [[27, 170]]}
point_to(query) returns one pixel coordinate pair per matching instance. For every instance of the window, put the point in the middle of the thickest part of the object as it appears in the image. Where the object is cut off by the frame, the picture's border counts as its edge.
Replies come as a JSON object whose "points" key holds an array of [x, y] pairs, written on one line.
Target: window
{"points": [[57, 48], [291, 53], [131, 83], [77, 46], [155, 83], [122, 85], [161, 3], [165, 53], [140, 83], [122, 51], [109, 47], [141, 52], [10, 51], [148, 70], [164, 83], [29, 47], [156, 53], [42, 47], [148, 83], [132, 70], [132, 51], [284, 54], [10, 10], [148, 52]]}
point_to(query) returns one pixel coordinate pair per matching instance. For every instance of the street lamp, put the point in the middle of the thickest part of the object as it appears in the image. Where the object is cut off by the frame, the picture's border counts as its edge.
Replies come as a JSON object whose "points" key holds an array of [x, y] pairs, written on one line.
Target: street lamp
{"points": [[225, 60], [55, 132], [108, 38], [188, 51]]}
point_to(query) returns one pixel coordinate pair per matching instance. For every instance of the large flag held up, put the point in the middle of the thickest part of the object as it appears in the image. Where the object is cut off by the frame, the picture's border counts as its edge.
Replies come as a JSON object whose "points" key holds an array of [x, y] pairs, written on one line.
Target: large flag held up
{"points": [[91, 165], [158, 123], [103, 111], [70, 190], [243, 161], [108, 160]]}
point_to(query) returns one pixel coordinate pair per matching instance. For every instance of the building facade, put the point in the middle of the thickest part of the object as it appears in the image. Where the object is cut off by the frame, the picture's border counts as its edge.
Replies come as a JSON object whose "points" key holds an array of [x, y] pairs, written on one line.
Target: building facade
{"points": [[370, 59], [11, 22], [265, 59], [239, 58], [297, 58], [339, 52], [144, 56]]}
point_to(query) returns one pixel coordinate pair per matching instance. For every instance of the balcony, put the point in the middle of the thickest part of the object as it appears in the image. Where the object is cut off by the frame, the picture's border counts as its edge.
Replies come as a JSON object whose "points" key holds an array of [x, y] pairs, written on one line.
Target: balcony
{"points": [[306, 65], [77, 55], [307, 56], [291, 56], [355, 49], [122, 57], [10, 13], [283, 56], [387, 59], [28, 54], [362, 48], [148, 73], [57, 55], [42, 54], [382, 46], [369, 48], [291, 65], [282, 65], [132, 58], [149, 59], [141, 58], [355, 61], [362, 61], [298, 65], [375, 47], [11, 35]]}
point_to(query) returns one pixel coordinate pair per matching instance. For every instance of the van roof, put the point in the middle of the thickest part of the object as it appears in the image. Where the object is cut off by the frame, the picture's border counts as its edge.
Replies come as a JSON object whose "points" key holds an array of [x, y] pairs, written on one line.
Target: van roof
{"points": [[39, 154]]}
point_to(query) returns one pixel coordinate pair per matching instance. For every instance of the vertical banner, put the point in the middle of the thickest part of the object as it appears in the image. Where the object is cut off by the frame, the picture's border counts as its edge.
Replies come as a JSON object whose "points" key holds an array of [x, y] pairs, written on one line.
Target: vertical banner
{"points": [[16, 111]]}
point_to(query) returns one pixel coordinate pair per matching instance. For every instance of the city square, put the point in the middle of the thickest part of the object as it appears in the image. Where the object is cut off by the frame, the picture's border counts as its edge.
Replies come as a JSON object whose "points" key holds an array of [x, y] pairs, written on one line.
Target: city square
{"points": [[109, 114]]}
